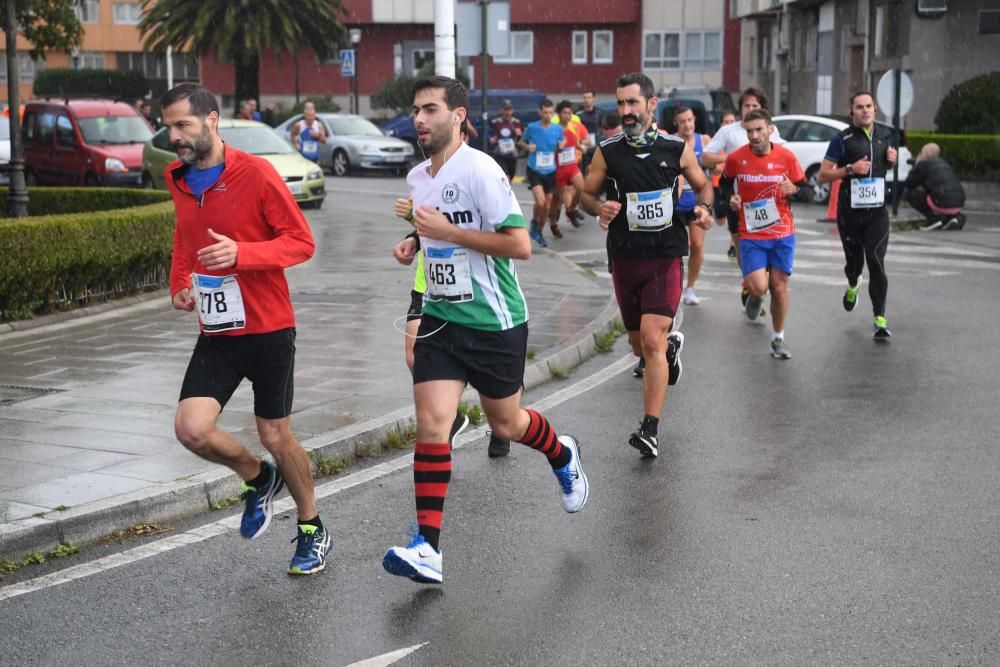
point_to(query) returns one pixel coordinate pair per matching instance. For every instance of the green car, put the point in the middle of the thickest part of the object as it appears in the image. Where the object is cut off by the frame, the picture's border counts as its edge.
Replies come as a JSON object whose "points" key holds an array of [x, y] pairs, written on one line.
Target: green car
{"points": [[304, 178]]}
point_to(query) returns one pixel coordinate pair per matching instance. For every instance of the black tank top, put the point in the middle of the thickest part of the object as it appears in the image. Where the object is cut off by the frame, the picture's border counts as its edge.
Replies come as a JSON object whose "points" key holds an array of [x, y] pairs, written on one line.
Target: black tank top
{"points": [[650, 168]]}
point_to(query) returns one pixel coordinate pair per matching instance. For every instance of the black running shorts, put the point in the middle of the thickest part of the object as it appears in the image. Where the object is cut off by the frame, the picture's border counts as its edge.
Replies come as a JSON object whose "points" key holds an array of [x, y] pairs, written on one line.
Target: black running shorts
{"points": [[491, 361], [219, 363], [547, 181], [416, 308]]}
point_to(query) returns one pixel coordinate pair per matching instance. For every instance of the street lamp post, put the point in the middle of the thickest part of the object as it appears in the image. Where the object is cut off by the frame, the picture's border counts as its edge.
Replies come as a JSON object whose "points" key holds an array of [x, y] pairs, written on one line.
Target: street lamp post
{"points": [[355, 40]]}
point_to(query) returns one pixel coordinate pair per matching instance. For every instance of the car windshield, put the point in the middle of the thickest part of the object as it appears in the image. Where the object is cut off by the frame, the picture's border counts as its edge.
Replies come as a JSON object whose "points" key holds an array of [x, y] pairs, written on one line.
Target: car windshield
{"points": [[255, 140], [354, 126], [704, 97], [115, 130]]}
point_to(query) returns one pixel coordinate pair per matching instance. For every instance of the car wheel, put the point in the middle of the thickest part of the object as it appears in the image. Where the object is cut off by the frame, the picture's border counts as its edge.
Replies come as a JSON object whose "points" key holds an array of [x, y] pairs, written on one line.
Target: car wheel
{"points": [[30, 180], [147, 182], [820, 192], [341, 165], [90, 179]]}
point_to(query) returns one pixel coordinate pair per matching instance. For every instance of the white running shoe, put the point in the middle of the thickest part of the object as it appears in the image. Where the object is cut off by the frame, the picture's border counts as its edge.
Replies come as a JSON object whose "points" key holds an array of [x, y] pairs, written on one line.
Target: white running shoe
{"points": [[690, 298], [418, 561], [572, 480]]}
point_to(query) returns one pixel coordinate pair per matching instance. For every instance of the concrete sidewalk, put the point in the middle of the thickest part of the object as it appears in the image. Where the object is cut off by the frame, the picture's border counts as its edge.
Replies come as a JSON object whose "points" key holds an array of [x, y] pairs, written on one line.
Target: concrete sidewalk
{"points": [[87, 404]]}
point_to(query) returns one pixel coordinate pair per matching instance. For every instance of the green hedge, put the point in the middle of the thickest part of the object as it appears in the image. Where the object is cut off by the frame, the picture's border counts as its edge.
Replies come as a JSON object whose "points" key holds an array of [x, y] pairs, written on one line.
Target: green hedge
{"points": [[975, 157], [56, 200], [127, 85], [58, 261]]}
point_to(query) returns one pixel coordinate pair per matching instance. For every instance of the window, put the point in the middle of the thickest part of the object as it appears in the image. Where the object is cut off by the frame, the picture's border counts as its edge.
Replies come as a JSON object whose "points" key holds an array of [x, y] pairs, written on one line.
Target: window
{"points": [[522, 48], [661, 50], [604, 46], [810, 55], [764, 53], [88, 11], [161, 140], [155, 66], [845, 48], [64, 132], [26, 68], [91, 60], [127, 12], [579, 45], [879, 32], [931, 7], [420, 58], [989, 22], [809, 131], [702, 50]]}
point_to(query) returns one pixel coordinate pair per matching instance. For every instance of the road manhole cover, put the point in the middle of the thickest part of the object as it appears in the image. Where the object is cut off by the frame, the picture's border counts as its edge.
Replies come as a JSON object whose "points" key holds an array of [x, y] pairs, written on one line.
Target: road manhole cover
{"points": [[11, 394]]}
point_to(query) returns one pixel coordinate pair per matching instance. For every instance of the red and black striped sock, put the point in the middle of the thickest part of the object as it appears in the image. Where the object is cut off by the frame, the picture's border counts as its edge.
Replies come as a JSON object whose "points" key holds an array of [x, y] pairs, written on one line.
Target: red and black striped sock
{"points": [[431, 474], [541, 436]]}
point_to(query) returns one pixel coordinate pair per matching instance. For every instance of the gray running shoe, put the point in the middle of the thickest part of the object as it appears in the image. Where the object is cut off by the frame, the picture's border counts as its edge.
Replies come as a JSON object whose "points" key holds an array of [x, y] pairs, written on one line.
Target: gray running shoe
{"points": [[779, 350], [753, 306]]}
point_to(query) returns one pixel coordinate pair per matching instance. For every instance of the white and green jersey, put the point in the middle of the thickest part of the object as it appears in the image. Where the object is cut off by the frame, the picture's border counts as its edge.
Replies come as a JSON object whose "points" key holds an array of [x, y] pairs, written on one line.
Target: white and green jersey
{"points": [[465, 286]]}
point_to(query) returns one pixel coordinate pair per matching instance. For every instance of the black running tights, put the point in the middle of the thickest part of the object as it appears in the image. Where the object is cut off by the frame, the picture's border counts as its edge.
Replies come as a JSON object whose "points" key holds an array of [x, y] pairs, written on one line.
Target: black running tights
{"points": [[865, 236]]}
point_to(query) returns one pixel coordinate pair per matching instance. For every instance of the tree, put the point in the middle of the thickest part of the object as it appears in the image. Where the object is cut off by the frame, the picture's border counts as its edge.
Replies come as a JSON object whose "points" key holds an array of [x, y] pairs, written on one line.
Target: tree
{"points": [[970, 106], [397, 93], [241, 31], [50, 25]]}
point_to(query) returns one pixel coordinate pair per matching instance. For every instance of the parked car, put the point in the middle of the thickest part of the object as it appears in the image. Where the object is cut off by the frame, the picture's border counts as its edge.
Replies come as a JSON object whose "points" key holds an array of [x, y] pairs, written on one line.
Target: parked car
{"points": [[354, 142], [808, 137], [665, 114], [716, 101], [525, 103], [83, 142], [304, 178]]}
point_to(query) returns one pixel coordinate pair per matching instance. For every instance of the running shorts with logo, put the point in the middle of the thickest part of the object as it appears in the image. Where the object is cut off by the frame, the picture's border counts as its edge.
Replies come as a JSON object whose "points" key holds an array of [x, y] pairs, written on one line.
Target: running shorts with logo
{"points": [[219, 363], [650, 286], [469, 295]]}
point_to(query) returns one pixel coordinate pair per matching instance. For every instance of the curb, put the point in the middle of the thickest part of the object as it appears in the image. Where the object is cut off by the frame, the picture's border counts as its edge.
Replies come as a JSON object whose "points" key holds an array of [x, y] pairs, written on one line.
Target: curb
{"points": [[89, 523], [98, 311]]}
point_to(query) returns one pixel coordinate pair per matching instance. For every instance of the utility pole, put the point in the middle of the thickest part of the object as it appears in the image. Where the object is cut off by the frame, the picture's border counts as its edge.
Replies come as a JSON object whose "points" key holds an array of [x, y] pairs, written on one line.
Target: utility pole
{"points": [[484, 57], [444, 38], [17, 194]]}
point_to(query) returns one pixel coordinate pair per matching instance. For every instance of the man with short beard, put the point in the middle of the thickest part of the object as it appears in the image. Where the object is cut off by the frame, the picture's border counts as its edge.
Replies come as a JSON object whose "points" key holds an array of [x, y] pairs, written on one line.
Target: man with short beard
{"points": [[473, 327], [238, 229], [646, 244], [766, 177]]}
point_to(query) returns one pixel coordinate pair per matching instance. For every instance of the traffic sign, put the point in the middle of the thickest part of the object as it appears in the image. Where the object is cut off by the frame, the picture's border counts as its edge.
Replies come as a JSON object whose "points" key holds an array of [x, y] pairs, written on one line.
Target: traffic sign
{"points": [[885, 94], [347, 62]]}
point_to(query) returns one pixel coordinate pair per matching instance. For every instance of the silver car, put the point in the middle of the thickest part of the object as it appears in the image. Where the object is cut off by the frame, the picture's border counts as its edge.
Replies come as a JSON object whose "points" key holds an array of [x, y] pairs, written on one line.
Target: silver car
{"points": [[354, 142]]}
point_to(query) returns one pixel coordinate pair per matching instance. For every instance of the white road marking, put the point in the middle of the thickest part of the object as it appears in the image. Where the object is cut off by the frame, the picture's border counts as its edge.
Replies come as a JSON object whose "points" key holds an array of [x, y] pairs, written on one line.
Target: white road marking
{"points": [[286, 504], [387, 659]]}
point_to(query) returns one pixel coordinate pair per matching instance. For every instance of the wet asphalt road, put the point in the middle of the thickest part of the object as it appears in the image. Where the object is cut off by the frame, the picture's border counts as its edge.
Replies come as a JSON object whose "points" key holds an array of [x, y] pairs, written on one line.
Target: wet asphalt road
{"points": [[837, 508]]}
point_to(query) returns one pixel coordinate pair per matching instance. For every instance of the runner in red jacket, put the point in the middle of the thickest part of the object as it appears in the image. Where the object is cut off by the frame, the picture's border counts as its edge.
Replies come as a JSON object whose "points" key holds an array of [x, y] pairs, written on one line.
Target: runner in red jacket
{"points": [[238, 229]]}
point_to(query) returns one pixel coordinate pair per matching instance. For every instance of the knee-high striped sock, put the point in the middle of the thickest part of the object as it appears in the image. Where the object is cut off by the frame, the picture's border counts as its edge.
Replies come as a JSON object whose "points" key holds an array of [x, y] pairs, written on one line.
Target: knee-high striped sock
{"points": [[541, 436], [431, 474]]}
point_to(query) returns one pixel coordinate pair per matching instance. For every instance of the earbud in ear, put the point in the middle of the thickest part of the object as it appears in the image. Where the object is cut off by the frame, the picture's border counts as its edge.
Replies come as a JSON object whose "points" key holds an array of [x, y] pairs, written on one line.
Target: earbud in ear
{"points": [[457, 121]]}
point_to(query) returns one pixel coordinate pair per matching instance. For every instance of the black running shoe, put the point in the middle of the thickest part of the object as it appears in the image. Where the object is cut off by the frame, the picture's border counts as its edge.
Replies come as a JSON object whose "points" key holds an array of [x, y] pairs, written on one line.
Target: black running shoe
{"points": [[640, 368], [575, 219], [675, 341], [731, 253], [645, 443], [498, 448]]}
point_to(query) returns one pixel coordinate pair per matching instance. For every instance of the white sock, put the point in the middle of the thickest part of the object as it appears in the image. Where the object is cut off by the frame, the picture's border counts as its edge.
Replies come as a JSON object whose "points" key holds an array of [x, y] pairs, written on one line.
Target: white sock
{"points": [[778, 334]]}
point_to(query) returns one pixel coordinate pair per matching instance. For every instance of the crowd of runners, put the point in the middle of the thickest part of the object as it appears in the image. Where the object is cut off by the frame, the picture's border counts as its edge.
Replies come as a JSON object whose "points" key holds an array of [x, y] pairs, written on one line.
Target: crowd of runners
{"points": [[655, 195]]}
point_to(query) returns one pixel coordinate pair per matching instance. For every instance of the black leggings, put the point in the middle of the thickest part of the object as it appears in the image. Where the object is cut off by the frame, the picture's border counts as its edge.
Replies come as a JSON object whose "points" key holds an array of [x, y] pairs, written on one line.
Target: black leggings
{"points": [[865, 235]]}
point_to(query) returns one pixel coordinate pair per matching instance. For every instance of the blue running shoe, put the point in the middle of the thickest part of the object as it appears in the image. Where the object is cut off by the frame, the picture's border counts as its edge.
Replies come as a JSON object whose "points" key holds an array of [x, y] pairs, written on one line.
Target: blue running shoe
{"points": [[418, 561], [310, 552], [260, 504], [572, 481], [535, 232]]}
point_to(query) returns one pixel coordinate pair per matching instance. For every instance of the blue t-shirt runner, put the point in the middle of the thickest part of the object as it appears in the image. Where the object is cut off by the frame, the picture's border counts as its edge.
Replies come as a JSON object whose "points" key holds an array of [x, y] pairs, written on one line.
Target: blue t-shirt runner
{"points": [[546, 140]]}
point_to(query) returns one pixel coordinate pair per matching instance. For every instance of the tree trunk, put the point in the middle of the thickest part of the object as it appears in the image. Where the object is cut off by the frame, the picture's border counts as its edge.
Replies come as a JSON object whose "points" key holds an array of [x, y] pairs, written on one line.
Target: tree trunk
{"points": [[247, 78]]}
